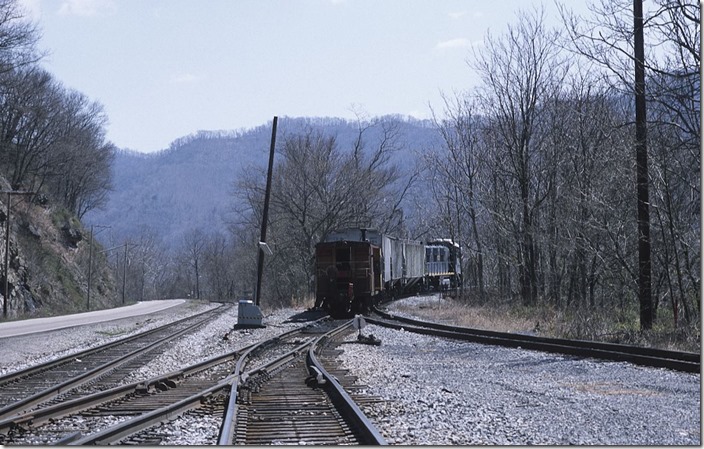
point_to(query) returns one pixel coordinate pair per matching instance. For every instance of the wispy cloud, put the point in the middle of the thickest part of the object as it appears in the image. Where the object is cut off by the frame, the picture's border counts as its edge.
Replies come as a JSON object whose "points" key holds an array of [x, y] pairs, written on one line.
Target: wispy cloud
{"points": [[87, 8], [459, 14], [459, 42]]}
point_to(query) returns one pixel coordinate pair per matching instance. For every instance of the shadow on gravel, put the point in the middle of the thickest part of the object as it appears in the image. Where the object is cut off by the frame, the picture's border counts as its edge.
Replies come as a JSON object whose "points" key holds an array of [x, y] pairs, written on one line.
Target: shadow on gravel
{"points": [[305, 316]]}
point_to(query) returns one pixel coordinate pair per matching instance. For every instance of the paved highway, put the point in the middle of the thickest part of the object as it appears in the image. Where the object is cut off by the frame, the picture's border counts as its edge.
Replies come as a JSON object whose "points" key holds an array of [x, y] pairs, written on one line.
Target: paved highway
{"points": [[23, 327]]}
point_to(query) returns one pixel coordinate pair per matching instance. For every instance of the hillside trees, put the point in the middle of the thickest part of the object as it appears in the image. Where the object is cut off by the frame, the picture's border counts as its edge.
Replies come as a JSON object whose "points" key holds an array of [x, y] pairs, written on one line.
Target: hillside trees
{"points": [[671, 65], [52, 139], [521, 73], [18, 37], [52, 143], [82, 155]]}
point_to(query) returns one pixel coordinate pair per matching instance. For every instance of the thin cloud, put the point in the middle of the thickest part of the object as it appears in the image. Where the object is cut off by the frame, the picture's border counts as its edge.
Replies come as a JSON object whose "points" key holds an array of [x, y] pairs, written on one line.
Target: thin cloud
{"points": [[459, 14], [460, 42], [87, 8]]}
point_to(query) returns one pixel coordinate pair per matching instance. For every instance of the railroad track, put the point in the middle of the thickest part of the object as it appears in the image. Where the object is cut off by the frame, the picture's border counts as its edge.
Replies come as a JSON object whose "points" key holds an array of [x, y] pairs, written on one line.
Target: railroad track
{"points": [[675, 360], [24, 390], [295, 400], [204, 393]]}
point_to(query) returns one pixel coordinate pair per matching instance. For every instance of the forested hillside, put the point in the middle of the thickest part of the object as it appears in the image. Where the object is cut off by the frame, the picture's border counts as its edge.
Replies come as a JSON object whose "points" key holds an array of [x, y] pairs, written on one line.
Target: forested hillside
{"points": [[54, 167], [192, 184]]}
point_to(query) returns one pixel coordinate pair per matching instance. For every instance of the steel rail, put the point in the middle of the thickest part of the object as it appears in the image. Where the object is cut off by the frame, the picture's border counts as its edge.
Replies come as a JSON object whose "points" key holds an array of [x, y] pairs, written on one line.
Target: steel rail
{"points": [[68, 358], [227, 430], [40, 416], [136, 424], [676, 360], [22, 405], [350, 409], [131, 426]]}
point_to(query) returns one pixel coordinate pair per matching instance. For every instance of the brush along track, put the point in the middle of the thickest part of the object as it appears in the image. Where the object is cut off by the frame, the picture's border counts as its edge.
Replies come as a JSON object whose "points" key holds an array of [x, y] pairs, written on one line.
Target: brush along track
{"points": [[675, 360], [25, 389]]}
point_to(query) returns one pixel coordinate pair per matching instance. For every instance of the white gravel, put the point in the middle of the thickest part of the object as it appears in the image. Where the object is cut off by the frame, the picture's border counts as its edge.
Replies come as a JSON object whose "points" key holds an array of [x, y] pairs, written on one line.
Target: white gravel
{"points": [[441, 393], [27, 350]]}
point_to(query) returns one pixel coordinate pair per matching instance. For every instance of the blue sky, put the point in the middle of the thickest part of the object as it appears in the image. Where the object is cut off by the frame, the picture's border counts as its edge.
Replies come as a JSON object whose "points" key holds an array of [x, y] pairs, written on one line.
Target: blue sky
{"points": [[166, 68]]}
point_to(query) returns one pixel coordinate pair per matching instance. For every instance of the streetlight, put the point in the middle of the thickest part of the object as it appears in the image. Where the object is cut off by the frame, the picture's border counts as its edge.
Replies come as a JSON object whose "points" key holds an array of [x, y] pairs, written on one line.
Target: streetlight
{"points": [[6, 292], [90, 262]]}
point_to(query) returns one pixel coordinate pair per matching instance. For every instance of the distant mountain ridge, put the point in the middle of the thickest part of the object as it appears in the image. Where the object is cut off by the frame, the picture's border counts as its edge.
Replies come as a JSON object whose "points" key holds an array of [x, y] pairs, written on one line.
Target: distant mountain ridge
{"points": [[190, 184]]}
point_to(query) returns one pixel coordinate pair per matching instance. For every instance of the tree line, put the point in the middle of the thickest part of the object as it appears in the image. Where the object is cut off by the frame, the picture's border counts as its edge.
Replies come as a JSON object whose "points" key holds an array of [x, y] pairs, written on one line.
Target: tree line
{"points": [[52, 138], [540, 187]]}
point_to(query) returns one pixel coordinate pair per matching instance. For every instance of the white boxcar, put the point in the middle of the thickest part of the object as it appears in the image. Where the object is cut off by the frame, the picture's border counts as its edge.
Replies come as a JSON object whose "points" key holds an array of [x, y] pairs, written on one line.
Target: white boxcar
{"points": [[402, 260]]}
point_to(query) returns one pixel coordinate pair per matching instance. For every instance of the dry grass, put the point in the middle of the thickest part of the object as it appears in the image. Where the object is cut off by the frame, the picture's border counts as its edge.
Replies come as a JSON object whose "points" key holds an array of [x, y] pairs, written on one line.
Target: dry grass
{"points": [[501, 319], [546, 322]]}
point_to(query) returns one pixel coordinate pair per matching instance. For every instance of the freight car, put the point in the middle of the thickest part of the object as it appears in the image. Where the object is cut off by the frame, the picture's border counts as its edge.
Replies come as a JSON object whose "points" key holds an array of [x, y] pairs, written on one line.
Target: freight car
{"points": [[357, 267]]}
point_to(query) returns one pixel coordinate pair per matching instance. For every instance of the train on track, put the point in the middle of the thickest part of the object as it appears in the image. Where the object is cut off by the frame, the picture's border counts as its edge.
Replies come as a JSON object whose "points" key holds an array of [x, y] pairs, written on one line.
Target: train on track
{"points": [[357, 268]]}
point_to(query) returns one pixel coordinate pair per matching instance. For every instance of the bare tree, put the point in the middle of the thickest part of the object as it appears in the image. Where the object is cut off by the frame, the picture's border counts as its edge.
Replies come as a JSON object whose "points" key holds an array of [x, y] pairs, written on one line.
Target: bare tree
{"points": [[194, 244], [456, 181], [521, 71], [18, 37], [218, 262], [318, 187]]}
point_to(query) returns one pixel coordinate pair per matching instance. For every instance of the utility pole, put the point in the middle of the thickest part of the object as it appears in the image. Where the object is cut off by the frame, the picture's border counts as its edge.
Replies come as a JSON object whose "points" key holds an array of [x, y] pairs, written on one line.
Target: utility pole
{"points": [[124, 274], [644, 259], [265, 217], [6, 292], [124, 267], [90, 263]]}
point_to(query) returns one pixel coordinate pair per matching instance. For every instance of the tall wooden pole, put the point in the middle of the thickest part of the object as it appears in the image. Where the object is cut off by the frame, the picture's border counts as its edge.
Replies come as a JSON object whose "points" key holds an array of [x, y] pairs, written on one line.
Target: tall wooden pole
{"points": [[124, 274], [644, 260], [90, 268], [265, 215]]}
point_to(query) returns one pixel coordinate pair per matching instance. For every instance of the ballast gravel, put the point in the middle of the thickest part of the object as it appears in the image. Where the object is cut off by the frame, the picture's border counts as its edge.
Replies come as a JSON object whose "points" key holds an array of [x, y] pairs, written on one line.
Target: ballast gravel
{"points": [[434, 391], [444, 392]]}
